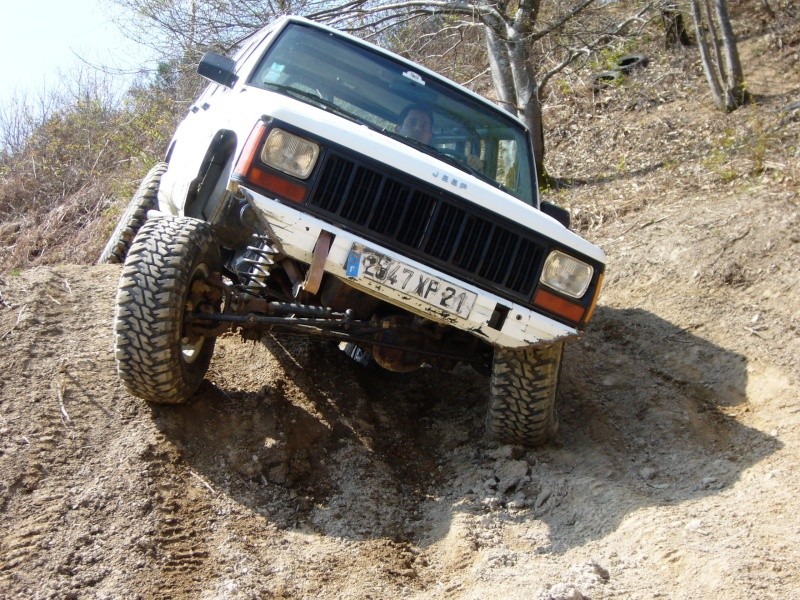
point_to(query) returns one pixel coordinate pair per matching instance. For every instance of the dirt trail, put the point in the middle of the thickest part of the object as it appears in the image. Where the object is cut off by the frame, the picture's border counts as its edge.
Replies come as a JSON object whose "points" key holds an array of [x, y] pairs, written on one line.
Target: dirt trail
{"points": [[295, 473]]}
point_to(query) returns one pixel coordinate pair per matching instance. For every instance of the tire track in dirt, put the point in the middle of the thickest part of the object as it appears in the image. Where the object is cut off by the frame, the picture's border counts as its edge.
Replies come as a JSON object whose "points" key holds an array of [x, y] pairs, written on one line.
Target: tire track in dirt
{"points": [[174, 546], [46, 423]]}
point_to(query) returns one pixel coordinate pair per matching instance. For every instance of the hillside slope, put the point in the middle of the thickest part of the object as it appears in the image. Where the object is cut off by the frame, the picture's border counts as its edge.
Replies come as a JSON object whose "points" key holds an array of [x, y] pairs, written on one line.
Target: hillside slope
{"points": [[296, 474]]}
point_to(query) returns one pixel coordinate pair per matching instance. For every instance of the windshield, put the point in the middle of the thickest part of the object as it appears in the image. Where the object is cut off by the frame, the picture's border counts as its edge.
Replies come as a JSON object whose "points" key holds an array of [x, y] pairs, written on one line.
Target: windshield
{"points": [[354, 82]]}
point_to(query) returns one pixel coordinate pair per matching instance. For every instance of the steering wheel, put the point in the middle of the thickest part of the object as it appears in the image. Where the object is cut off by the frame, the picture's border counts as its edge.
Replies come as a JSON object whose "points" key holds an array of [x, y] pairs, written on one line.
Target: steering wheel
{"points": [[451, 153]]}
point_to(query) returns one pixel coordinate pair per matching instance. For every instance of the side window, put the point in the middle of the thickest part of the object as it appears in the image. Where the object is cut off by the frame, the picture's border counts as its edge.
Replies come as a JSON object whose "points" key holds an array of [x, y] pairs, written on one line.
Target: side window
{"points": [[507, 163], [243, 55]]}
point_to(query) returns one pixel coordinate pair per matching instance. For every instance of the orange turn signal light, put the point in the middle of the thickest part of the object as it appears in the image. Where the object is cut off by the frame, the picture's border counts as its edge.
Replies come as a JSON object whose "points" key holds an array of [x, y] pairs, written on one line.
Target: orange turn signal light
{"points": [[250, 150], [276, 184], [558, 305]]}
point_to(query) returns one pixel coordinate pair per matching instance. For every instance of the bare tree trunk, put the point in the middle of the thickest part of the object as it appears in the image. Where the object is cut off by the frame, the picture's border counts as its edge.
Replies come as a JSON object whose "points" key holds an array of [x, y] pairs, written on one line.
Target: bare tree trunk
{"points": [[735, 80], [674, 28], [509, 48], [717, 43], [532, 115], [501, 70], [725, 79]]}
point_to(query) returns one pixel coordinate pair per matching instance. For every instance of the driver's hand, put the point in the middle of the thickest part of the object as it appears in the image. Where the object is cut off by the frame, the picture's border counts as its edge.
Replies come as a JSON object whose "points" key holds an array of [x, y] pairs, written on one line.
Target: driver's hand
{"points": [[474, 162]]}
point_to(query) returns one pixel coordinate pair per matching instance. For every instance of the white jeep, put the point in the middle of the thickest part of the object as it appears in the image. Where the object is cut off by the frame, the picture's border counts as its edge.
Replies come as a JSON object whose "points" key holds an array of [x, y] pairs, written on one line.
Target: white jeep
{"points": [[321, 185]]}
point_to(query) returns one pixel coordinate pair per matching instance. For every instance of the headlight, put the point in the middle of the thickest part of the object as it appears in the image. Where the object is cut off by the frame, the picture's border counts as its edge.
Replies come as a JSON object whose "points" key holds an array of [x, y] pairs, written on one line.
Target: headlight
{"points": [[289, 153], [566, 274]]}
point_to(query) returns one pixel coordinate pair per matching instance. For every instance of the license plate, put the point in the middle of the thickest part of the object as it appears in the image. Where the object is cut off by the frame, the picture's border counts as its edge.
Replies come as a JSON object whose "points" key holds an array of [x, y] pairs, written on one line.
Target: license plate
{"points": [[363, 263]]}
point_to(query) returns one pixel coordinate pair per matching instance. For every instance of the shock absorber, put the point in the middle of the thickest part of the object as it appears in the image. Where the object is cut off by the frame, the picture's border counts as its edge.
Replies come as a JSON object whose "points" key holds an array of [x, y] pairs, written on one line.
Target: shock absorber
{"points": [[253, 267]]}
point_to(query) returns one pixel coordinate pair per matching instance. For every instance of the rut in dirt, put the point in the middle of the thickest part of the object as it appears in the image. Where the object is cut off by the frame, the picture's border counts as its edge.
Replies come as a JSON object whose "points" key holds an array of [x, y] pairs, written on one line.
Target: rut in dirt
{"points": [[322, 442]]}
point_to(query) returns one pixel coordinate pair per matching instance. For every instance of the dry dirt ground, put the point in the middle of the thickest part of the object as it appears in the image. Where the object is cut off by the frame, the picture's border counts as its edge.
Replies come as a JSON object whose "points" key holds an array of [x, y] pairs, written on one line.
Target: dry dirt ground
{"points": [[295, 473]]}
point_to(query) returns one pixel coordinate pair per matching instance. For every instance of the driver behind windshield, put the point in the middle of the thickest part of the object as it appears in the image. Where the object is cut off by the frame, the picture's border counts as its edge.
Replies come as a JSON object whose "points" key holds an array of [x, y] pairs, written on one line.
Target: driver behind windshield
{"points": [[416, 122]]}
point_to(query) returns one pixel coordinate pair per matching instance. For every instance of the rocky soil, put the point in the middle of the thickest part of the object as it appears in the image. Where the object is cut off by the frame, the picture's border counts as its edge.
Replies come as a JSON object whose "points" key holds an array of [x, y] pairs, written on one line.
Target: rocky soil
{"points": [[295, 473]]}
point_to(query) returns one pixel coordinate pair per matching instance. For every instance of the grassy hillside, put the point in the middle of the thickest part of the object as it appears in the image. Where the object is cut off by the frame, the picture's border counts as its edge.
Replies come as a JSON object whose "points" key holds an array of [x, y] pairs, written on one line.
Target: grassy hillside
{"points": [[653, 136]]}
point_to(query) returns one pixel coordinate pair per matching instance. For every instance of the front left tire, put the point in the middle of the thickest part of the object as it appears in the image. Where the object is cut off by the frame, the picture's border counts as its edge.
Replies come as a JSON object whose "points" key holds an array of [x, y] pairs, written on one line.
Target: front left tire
{"points": [[524, 386], [159, 358]]}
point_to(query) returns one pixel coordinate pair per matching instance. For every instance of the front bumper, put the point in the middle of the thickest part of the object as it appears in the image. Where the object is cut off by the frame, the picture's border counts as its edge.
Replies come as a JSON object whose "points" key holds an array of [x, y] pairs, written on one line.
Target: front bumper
{"points": [[297, 234]]}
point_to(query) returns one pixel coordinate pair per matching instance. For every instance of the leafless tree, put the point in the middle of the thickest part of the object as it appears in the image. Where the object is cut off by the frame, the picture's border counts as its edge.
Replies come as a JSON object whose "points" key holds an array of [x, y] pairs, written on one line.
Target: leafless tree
{"points": [[719, 54], [518, 34]]}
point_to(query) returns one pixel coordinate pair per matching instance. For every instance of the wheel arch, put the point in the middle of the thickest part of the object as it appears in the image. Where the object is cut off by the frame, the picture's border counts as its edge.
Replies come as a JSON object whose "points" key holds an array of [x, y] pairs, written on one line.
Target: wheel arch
{"points": [[168, 155], [212, 178]]}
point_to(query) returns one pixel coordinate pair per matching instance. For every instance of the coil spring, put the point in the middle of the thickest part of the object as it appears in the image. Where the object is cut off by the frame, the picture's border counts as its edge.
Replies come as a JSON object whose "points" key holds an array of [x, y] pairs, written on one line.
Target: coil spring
{"points": [[254, 267]]}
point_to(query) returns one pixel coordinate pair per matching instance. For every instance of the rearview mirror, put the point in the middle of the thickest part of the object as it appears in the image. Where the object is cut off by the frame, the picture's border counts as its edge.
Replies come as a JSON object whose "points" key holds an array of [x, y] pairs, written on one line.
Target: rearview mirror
{"points": [[218, 69]]}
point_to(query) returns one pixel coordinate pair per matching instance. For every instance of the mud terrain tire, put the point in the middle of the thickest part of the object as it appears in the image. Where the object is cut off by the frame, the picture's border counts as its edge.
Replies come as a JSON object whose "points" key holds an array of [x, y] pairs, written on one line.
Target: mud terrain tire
{"points": [[156, 359], [522, 406], [145, 198]]}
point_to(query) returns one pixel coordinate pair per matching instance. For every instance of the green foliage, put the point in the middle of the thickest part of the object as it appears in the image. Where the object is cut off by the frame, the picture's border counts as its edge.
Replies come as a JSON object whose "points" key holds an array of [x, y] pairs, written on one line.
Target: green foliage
{"points": [[607, 58], [742, 153], [759, 143], [564, 87], [719, 159]]}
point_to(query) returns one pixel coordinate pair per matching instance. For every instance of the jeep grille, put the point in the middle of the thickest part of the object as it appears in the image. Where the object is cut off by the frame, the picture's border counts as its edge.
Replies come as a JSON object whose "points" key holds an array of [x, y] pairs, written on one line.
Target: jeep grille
{"points": [[431, 226]]}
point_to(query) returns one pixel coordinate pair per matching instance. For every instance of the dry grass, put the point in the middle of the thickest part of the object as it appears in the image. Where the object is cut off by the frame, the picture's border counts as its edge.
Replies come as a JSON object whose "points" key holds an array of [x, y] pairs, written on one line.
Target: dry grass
{"points": [[652, 138], [656, 139]]}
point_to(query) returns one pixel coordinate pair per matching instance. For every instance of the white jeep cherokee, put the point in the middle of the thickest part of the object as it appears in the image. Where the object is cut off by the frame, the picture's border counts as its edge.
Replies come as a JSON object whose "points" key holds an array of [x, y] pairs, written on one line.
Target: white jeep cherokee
{"points": [[324, 186]]}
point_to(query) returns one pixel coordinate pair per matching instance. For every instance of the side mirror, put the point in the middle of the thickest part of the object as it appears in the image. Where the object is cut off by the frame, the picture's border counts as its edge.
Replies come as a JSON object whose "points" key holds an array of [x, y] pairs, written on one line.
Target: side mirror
{"points": [[559, 214], [218, 69]]}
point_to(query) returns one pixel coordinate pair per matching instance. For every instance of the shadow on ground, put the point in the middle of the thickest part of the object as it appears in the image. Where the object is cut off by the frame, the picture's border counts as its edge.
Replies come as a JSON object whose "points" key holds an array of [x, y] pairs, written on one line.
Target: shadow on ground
{"points": [[648, 418]]}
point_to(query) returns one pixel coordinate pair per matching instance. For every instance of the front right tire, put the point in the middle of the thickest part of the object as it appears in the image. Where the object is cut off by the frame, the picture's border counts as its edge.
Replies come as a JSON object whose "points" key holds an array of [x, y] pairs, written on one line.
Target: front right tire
{"points": [[159, 359], [524, 386]]}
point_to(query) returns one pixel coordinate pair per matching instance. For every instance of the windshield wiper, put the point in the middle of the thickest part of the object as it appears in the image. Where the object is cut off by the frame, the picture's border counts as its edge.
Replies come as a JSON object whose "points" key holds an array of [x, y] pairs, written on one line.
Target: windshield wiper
{"points": [[318, 100], [444, 157]]}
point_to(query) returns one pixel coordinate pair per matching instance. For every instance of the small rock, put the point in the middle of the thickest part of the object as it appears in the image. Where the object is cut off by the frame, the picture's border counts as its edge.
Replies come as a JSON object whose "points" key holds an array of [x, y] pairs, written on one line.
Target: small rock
{"points": [[278, 473], [562, 591], [598, 571], [694, 525], [492, 502], [518, 502], [647, 473], [609, 381], [510, 474], [503, 452], [543, 497]]}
